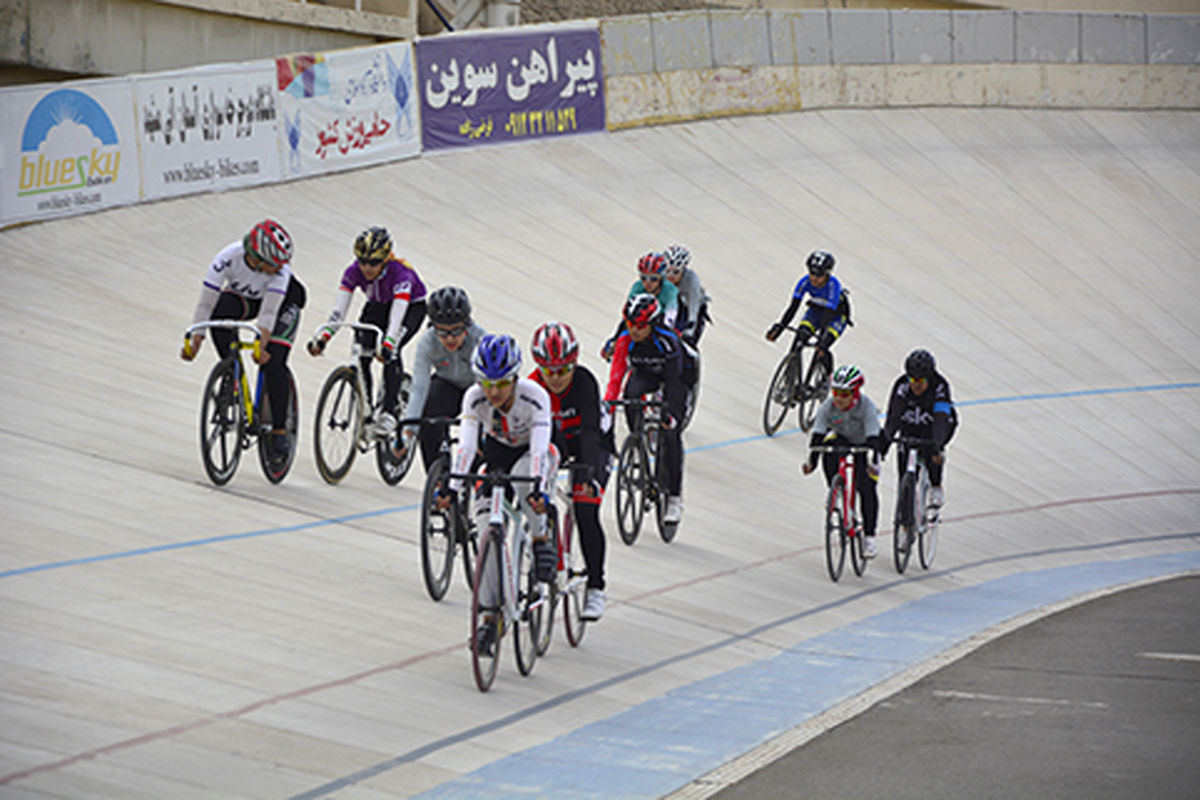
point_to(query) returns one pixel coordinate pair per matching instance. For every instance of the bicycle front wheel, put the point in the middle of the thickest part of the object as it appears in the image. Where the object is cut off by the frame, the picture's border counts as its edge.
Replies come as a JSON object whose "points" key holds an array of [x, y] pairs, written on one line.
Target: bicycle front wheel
{"points": [[391, 468], [528, 627], [781, 393], [277, 469], [632, 477], [484, 664], [574, 575], [816, 389], [856, 540], [338, 424], [835, 530], [902, 531], [222, 420], [928, 532], [437, 534], [666, 530], [549, 591]]}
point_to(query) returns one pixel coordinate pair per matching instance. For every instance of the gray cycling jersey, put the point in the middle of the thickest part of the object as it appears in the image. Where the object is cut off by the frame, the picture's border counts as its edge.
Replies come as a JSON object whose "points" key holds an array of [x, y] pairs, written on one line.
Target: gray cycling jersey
{"points": [[855, 425], [692, 295], [433, 358]]}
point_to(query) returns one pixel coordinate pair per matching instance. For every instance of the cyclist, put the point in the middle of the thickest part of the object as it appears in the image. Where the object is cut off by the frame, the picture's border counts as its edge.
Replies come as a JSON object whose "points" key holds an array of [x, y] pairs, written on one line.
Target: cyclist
{"points": [[849, 417], [646, 356], [652, 267], [395, 303], [512, 416], [693, 300], [583, 431], [920, 405], [441, 368], [829, 312], [249, 279]]}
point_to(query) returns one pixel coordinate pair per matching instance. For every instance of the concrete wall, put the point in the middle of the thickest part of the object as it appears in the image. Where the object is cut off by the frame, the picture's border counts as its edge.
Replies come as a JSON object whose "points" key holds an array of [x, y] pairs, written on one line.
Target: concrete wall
{"points": [[667, 67]]}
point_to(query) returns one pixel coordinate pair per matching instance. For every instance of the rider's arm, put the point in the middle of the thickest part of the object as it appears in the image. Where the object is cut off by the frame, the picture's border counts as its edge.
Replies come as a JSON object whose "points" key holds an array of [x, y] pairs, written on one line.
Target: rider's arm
{"points": [[272, 303], [468, 437], [618, 368], [422, 372], [674, 392], [340, 306], [587, 401], [401, 295], [943, 408], [789, 312], [895, 411]]}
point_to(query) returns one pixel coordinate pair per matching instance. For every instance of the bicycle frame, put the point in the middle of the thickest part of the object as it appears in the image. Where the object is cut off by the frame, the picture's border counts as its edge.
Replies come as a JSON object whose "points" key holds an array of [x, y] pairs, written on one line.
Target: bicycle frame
{"points": [[912, 521], [842, 528], [249, 406], [788, 388], [365, 437], [638, 485]]}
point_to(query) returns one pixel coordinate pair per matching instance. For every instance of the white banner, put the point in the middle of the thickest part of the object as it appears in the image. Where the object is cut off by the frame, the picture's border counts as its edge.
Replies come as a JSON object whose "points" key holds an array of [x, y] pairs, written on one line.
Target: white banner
{"points": [[67, 148], [208, 128], [347, 109]]}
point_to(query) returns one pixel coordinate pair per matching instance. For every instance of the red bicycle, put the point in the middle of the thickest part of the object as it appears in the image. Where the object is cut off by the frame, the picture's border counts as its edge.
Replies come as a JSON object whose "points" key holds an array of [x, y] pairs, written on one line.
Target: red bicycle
{"points": [[570, 582], [843, 530]]}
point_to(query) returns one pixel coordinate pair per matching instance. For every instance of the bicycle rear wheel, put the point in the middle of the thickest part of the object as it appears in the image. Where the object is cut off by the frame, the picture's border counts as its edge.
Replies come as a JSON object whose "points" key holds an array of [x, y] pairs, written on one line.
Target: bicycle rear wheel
{"points": [[338, 424], [858, 559], [528, 627], [482, 664], [666, 530], [222, 420], [781, 392], [835, 530], [391, 468], [574, 575], [693, 396], [815, 390], [632, 477], [550, 590], [902, 530], [437, 534], [277, 469], [928, 532]]}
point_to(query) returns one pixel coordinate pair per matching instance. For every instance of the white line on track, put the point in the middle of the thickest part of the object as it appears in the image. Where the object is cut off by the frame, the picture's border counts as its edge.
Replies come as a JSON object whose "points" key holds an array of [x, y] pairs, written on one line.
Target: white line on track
{"points": [[1171, 656], [998, 698]]}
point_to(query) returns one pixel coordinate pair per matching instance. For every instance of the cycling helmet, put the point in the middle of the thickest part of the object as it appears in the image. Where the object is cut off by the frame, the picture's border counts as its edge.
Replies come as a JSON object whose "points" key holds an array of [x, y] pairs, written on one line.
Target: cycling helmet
{"points": [[678, 258], [652, 263], [642, 309], [555, 345], [448, 305], [269, 242], [848, 376], [820, 262], [496, 357], [919, 364], [373, 245]]}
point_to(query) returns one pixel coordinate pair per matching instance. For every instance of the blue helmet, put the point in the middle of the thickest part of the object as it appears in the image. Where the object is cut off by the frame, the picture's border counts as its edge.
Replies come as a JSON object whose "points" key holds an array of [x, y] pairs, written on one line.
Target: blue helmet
{"points": [[496, 357]]}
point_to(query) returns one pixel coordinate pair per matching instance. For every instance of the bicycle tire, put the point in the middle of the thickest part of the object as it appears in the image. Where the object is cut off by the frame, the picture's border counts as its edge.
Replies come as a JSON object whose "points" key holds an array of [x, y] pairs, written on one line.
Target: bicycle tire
{"points": [[927, 534], [392, 469], [693, 398], [337, 425], [902, 529], [222, 422], [550, 591], [527, 628], [574, 574], [815, 391], [835, 531], [631, 488], [468, 542], [858, 559], [483, 666], [781, 392], [437, 534], [276, 471], [666, 530]]}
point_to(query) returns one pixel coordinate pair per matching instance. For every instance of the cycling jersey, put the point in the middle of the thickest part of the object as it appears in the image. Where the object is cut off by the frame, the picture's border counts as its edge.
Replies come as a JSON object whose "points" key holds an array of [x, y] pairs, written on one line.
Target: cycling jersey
{"points": [[398, 285], [828, 296], [452, 366], [229, 272], [582, 425], [930, 413], [692, 299], [856, 425], [527, 425], [660, 355]]}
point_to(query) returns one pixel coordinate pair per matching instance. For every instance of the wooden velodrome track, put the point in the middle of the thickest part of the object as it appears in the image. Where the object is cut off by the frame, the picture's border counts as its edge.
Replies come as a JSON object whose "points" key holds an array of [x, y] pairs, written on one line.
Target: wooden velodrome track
{"points": [[163, 638]]}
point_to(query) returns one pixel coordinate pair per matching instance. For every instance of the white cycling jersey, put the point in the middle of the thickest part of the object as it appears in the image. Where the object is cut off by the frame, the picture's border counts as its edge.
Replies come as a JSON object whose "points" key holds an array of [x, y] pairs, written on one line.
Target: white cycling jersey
{"points": [[229, 272], [527, 423]]}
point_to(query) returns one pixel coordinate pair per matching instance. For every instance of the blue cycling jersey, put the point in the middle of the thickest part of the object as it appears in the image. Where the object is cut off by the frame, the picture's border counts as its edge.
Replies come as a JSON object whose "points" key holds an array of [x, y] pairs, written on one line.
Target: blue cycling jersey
{"points": [[828, 296]]}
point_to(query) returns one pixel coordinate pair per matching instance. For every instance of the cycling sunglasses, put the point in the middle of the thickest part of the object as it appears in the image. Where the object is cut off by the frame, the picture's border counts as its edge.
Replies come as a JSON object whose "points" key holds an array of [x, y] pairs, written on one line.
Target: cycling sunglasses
{"points": [[503, 383], [843, 392], [450, 333], [557, 372]]}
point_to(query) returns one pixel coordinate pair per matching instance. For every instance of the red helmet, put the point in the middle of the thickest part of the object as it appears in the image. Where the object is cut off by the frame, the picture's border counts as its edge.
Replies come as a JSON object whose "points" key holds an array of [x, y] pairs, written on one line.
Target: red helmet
{"points": [[554, 345], [652, 263], [269, 242], [642, 309]]}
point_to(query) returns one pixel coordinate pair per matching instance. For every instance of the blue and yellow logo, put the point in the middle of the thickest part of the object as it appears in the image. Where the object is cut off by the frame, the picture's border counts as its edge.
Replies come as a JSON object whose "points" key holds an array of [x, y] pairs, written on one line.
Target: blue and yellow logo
{"points": [[70, 122]]}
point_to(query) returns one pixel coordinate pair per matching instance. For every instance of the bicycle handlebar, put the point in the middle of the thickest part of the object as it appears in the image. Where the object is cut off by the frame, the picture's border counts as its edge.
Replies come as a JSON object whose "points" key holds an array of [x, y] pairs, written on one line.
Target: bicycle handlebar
{"points": [[917, 440], [357, 326], [841, 448], [637, 403], [225, 324]]}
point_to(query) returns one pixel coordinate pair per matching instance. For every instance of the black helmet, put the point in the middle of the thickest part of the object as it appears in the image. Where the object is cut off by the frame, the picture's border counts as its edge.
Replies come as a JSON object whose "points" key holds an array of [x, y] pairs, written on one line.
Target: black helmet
{"points": [[373, 245], [820, 262], [448, 305], [919, 364]]}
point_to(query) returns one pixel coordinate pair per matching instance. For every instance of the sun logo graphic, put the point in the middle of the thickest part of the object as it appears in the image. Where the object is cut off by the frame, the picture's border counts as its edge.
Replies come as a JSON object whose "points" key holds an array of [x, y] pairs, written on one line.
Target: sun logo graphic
{"points": [[68, 142]]}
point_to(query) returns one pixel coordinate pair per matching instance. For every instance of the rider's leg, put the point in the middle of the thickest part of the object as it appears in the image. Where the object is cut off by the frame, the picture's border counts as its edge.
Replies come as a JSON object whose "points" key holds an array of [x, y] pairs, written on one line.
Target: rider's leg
{"points": [[868, 493], [444, 399]]}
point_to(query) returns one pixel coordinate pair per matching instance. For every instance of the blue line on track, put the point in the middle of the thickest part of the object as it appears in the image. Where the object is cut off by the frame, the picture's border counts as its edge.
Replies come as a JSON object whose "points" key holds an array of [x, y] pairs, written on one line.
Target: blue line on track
{"points": [[1162, 387]]}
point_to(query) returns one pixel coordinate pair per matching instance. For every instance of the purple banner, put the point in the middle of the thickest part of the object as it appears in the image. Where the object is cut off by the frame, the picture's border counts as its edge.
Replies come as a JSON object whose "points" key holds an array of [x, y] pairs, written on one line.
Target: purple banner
{"points": [[488, 88]]}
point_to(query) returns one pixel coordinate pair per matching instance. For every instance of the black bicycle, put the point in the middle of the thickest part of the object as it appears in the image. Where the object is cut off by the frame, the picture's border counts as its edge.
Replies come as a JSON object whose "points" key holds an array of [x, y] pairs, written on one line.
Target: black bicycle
{"points": [[915, 521], [795, 384], [443, 533], [641, 473]]}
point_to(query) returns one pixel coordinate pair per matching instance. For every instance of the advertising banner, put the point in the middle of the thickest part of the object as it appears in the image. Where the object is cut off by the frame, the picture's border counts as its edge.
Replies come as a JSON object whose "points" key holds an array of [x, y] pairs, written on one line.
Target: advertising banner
{"points": [[488, 88], [347, 109], [67, 148], [208, 128]]}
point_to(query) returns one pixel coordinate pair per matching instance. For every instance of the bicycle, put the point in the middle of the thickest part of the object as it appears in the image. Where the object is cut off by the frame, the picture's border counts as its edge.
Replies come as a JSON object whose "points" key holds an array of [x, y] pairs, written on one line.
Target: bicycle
{"points": [[843, 530], [520, 601], [443, 533], [786, 389], [232, 418], [641, 474], [570, 582], [914, 518], [693, 395], [342, 427]]}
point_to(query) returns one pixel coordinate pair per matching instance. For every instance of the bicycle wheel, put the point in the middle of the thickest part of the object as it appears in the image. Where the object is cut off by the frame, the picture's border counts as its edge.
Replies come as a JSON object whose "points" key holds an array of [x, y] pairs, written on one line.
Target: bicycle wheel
{"points": [[781, 393], [693, 397], [814, 393], [528, 627], [572, 581], [927, 533], [393, 469], [549, 591], [666, 530], [468, 542], [858, 559], [484, 665], [632, 478], [222, 420], [835, 530], [902, 530], [338, 424], [437, 534], [277, 469]]}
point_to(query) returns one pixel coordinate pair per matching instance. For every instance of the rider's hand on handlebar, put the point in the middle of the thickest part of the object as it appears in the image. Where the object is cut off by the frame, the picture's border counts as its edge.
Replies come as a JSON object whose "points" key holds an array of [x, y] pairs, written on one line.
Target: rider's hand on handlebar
{"points": [[316, 347], [189, 350], [807, 468], [774, 331], [938, 457], [538, 502], [444, 498]]}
